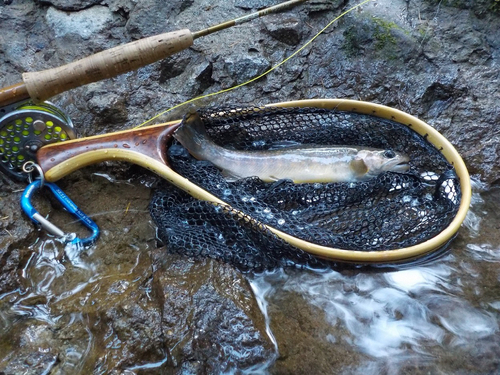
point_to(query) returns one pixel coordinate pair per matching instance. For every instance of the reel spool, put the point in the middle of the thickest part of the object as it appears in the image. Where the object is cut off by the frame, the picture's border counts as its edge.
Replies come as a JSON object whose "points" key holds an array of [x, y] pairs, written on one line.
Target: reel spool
{"points": [[25, 130]]}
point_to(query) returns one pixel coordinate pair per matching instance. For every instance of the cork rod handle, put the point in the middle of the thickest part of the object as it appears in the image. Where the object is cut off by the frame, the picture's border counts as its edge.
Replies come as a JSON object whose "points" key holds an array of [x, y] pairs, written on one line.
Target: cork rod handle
{"points": [[106, 64]]}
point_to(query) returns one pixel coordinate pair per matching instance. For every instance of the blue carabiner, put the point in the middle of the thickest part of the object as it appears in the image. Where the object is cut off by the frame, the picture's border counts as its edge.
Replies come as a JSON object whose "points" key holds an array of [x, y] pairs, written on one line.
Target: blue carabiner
{"points": [[68, 205]]}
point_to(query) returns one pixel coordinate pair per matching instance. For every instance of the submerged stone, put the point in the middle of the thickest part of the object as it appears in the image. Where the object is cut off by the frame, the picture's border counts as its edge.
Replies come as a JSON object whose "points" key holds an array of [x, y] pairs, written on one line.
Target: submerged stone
{"points": [[210, 316]]}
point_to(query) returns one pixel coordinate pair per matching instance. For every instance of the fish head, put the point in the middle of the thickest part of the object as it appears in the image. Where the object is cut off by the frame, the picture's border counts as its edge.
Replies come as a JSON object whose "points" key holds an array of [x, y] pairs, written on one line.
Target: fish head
{"points": [[378, 161]]}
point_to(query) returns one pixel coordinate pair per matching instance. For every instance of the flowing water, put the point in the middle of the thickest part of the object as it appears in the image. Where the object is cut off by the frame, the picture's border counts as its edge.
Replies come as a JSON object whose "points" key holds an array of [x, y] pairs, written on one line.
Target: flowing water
{"points": [[438, 318]]}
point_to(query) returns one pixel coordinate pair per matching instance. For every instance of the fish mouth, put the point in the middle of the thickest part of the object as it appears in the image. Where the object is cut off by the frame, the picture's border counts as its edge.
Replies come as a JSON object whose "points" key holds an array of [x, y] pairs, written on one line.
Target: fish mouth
{"points": [[397, 165], [401, 167], [401, 163]]}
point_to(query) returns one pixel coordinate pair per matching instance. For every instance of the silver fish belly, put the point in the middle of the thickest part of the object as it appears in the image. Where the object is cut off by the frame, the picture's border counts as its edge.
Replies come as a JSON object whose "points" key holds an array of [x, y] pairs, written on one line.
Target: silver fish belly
{"points": [[300, 164]]}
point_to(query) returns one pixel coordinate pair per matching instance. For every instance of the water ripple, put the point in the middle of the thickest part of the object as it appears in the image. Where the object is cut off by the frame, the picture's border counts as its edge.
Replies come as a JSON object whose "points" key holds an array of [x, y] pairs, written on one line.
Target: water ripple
{"points": [[484, 252], [396, 314]]}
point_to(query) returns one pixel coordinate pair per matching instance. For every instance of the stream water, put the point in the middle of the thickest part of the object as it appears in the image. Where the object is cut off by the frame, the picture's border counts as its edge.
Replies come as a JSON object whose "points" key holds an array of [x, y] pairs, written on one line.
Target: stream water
{"points": [[438, 318]]}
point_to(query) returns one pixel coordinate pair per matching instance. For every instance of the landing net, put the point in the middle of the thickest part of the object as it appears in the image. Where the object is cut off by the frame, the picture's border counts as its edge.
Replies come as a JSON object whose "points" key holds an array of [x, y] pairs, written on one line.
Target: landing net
{"points": [[392, 211]]}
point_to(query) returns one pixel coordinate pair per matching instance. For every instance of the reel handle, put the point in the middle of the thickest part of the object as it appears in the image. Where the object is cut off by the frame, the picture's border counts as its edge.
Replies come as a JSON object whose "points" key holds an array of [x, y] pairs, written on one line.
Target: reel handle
{"points": [[106, 64]]}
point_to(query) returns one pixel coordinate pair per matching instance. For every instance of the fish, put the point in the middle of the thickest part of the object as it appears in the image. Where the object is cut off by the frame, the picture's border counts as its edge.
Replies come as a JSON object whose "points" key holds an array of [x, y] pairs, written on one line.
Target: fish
{"points": [[299, 163]]}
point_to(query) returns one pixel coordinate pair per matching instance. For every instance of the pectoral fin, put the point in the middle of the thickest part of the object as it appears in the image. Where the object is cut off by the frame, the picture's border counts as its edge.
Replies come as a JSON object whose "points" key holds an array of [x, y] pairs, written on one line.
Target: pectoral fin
{"points": [[359, 167]]}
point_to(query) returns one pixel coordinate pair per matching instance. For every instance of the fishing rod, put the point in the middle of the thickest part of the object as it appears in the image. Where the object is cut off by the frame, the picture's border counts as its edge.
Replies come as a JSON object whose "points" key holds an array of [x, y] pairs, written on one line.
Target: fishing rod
{"points": [[40, 86], [28, 122]]}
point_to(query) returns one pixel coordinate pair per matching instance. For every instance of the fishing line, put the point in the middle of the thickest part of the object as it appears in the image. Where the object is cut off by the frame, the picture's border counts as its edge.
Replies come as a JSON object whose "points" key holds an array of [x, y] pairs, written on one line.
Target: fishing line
{"points": [[259, 76]]}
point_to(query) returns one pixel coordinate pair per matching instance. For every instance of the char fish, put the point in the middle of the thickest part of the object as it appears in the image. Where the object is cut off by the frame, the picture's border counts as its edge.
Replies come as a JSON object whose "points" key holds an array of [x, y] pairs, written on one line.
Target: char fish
{"points": [[302, 164]]}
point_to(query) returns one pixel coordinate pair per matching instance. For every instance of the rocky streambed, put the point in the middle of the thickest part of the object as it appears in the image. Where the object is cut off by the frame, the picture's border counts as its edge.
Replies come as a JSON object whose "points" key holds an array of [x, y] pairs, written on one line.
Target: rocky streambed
{"points": [[127, 306]]}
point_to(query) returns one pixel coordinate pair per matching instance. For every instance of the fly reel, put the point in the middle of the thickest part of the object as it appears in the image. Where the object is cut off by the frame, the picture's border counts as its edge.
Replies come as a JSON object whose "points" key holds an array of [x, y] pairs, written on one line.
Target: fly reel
{"points": [[25, 130]]}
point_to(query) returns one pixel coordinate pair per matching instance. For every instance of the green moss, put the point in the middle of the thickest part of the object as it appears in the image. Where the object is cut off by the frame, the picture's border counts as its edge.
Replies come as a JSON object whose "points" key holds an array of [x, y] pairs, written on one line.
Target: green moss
{"points": [[495, 6], [373, 34], [383, 33], [355, 38], [422, 31]]}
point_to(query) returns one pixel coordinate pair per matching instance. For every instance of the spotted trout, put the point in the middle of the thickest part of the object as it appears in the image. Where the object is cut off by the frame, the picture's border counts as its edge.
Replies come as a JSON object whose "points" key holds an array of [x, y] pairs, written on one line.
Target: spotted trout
{"points": [[301, 164]]}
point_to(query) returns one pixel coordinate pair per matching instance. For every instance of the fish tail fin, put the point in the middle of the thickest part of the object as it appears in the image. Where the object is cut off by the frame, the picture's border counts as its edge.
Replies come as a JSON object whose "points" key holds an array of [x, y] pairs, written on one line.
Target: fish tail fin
{"points": [[192, 135]]}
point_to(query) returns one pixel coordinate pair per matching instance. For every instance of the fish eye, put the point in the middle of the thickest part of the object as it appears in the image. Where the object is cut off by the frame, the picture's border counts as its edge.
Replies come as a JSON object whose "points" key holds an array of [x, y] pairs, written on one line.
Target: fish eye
{"points": [[389, 154]]}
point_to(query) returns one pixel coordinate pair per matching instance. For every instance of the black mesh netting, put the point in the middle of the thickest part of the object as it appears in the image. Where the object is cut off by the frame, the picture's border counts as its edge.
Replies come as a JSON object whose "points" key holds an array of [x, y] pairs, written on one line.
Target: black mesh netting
{"points": [[391, 211]]}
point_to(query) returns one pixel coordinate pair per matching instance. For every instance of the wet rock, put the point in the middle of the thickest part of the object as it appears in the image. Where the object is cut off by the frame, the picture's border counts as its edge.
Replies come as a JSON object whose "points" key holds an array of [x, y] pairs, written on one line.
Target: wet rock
{"points": [[314, 348], [173, 67], [14, 234], [324, 5], [71, 5], [255, 4], [212, 325], [243, 68], [30, 362], [375, 36], [130, 333], [192, 82], [441, 94], [479, 7], [472, 49], [203, 76], [126, 308], [462, 41], [123, 7], [436, 60], [104, 323], [286, 29], [109, 108], [10, 258], [151, 17], [84, 23]]}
